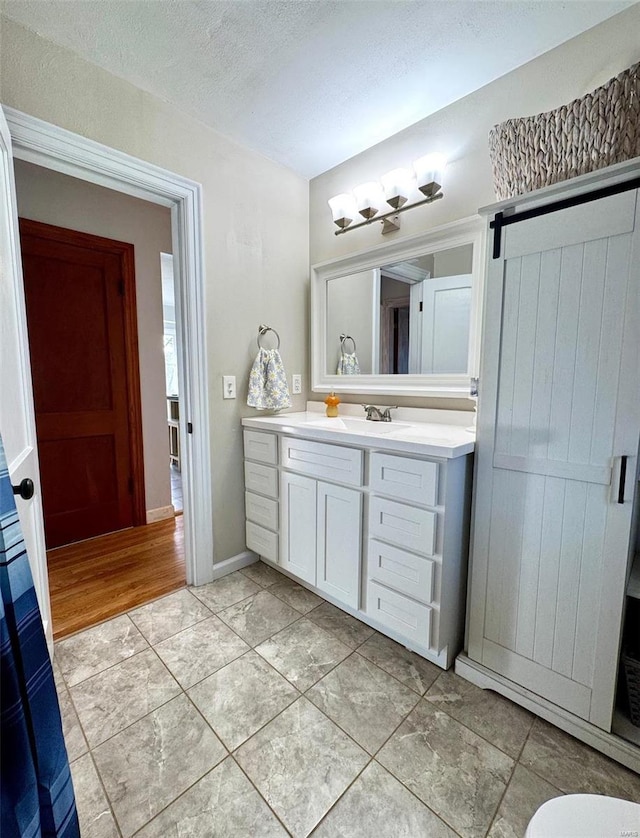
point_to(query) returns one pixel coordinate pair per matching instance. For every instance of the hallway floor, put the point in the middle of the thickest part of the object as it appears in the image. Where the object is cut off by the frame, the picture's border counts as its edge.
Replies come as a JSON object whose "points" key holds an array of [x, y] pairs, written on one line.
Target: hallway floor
{"points": [[92, 580], [250, 707]]}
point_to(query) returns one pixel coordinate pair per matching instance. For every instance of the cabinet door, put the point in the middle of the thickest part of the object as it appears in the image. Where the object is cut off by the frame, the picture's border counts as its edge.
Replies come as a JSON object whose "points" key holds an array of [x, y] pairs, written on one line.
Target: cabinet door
{"points": [[298, 526], [559, 410], [339, 542]]}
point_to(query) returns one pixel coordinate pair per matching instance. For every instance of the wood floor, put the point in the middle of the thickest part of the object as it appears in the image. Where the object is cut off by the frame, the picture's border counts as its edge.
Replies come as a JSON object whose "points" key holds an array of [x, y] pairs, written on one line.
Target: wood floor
{"points": [[93, 580]]}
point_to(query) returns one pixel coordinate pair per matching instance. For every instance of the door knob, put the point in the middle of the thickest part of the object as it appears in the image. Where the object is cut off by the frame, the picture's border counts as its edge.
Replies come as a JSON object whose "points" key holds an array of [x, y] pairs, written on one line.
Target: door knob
{"points": [[25, 489]]}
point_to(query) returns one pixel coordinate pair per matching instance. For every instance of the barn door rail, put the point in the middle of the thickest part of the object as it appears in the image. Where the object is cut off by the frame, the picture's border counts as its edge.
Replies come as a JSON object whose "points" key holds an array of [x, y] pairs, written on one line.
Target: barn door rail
{"points": [[501, 220]]}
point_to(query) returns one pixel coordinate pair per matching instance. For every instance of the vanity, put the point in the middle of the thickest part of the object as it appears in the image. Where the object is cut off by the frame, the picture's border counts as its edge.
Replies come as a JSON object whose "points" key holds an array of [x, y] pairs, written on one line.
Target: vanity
{"points": [[372, 516]]}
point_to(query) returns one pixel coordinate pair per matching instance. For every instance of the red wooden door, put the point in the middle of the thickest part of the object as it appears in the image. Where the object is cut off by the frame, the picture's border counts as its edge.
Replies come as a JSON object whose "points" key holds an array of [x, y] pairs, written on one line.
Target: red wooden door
{"points": [[77, 289]]}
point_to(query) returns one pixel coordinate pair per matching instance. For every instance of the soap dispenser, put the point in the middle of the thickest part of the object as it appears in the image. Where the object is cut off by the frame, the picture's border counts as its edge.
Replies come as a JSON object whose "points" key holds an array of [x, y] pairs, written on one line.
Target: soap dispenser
{"points": [[332, 402]]}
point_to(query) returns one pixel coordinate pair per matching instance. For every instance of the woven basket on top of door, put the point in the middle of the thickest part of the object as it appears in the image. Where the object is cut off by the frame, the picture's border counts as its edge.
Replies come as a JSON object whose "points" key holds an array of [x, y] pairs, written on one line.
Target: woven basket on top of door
{"points": [[590, 133]]}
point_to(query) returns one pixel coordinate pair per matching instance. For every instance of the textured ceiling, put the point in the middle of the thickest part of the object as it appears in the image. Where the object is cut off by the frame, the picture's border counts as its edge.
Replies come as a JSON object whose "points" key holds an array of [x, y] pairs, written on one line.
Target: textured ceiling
{"points": [[309, 83]]}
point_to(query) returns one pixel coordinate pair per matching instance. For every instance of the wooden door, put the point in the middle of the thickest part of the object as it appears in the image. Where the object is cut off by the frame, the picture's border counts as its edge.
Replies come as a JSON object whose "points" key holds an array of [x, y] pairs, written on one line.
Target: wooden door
{"points": [[80, 302], [17, 423], [339, 542], [298, 526], [559, 409]]}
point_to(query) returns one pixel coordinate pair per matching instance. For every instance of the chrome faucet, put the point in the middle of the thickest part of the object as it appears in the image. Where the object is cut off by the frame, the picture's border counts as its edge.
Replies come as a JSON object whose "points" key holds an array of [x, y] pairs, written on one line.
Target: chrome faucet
{"points": [[378, 414]]}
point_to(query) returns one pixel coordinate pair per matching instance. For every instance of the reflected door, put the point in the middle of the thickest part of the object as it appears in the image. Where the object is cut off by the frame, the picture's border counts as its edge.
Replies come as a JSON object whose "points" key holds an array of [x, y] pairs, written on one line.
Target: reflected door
{"points": [[446, 316]]}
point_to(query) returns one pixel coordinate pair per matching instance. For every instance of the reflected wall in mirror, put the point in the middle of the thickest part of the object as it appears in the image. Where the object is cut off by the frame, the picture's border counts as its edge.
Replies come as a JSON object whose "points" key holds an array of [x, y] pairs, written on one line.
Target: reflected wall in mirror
{"points": [[408, 317], [402, 318]]}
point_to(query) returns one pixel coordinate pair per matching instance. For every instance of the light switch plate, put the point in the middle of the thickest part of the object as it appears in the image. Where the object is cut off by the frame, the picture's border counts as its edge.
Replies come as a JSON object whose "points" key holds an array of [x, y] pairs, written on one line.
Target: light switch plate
{"points": [[296, 384], [228, 386]]}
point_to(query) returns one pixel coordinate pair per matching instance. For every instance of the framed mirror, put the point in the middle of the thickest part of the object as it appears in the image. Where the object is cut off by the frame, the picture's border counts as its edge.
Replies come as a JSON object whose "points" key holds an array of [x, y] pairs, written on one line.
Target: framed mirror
{"points": [[401, 318]]}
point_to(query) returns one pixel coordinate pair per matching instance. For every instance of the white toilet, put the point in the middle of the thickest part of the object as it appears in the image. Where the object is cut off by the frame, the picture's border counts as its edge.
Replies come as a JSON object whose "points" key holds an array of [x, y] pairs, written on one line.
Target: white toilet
{"points": [[585, 816]]}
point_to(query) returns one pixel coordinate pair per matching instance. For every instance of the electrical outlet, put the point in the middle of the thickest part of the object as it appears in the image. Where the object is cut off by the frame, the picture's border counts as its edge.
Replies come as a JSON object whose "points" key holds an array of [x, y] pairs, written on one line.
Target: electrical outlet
{"points": [[296, 384], [228, 386]]}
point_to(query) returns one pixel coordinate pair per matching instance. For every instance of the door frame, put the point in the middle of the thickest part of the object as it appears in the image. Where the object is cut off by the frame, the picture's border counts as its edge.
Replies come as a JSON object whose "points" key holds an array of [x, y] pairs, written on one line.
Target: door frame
{"points": [[51, 147], [125, 253]]}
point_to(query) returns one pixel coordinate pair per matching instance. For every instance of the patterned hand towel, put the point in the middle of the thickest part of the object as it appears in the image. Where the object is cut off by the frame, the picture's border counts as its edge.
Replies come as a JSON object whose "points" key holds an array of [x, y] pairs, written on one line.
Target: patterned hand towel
{"points": [[348, 364], [268, 388]]}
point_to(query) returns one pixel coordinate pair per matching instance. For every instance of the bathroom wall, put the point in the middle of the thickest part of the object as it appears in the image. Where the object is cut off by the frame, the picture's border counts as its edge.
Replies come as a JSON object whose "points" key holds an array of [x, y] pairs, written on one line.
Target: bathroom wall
{"points": [[255, 230], [54, 198], [461, 130]]}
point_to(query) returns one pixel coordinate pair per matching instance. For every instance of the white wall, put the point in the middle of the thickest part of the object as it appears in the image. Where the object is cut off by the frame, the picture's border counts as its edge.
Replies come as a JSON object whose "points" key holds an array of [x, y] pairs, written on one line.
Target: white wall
{"points": [[461, 131], [350, 312], [255, 230], [54, 198]]}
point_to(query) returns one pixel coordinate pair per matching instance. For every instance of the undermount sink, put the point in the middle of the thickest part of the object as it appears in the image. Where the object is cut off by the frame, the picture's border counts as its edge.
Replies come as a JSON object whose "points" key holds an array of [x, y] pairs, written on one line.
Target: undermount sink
{"points": [[359, 426]]}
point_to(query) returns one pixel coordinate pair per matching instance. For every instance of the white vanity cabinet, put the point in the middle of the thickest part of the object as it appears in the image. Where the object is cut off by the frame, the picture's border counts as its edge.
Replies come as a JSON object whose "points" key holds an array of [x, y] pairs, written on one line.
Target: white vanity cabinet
{"points": [[382, 534]]}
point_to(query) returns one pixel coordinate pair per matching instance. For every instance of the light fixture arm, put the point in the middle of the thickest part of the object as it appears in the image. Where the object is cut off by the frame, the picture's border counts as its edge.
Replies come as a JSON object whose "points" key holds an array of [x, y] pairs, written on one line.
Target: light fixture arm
{"points": [[389, 214]]}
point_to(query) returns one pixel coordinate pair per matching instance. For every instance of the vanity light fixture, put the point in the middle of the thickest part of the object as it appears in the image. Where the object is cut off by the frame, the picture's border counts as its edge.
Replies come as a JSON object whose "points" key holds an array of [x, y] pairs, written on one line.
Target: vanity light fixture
{"points": [[394, 188]]}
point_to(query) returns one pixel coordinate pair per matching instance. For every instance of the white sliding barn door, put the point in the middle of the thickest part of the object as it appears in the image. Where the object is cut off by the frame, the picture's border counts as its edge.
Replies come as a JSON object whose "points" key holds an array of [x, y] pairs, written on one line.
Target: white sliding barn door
{"points": [[560, 406]]}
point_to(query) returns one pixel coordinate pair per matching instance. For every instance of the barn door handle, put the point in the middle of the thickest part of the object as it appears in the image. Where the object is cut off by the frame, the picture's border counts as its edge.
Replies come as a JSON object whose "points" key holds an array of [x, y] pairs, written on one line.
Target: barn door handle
{"points": [[623, 477], [25, 489]]}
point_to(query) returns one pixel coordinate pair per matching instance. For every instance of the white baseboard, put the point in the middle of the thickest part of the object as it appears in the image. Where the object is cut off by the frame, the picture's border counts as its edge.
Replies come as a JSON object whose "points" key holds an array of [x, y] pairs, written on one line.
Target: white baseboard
{"points": [[160, 514], [607, 743], [234, 563]]}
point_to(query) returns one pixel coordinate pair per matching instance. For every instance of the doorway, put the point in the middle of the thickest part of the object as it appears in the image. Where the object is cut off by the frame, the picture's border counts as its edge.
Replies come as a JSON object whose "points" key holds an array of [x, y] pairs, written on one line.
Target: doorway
{"points": [[83, 341], [56, 149]]}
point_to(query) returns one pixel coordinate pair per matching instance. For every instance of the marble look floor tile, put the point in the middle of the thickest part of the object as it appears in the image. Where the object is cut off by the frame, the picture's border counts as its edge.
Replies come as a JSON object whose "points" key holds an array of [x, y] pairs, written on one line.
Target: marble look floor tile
{"points": [[346, 628], [259, 617], [148, 765], [226, 591], [295, 595], [94, 813], [240, 698], [303, 653], [406, 666], [97, 648], [262, 574], [71, 728], [574, 767], [377, 804], [363, 700], [525, 794], [112, 700], [301, 763], [169, 615], [459, 775], [498, 720], [223, 804], [198, 651]]}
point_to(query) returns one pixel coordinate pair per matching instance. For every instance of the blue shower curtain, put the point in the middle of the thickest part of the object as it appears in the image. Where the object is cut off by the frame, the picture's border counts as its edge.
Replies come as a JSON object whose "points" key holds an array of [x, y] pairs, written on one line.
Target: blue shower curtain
{"points": [[36, 792]]}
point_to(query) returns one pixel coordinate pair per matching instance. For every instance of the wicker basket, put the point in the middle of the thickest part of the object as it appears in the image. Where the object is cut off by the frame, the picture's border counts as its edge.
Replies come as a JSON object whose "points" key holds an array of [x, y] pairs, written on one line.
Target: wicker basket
{"points": [[590, 133], [632, 672]]}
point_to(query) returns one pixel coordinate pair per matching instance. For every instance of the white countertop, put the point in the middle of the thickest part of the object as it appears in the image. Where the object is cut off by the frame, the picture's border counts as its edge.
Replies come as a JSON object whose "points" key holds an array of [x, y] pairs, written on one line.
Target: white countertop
{"points": [[435, 433]]}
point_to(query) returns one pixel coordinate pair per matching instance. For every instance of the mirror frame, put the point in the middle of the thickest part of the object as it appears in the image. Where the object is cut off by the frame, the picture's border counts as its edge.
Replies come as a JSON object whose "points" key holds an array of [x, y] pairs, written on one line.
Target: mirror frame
{"points": [[466, 231]]}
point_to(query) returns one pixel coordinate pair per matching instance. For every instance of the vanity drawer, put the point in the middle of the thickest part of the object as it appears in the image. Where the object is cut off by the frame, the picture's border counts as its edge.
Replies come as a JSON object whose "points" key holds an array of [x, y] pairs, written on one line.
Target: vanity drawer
{"points": [[400, 570], [400, 613], [262, 479], [261, 541], [333, 462], [260, 446], [404, 525], [263, 511], [404, 478]]}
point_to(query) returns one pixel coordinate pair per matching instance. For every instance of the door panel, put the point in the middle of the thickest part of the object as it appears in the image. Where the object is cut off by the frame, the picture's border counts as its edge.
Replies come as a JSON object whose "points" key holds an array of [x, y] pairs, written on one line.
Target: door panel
{"points": [[298, 526], [17, 422], [74, 290], [339, 542], [548, 535]]}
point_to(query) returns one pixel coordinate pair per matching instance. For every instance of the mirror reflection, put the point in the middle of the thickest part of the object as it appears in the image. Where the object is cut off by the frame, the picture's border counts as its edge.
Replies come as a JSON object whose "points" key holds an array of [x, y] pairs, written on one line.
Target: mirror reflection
{"points": [[404, 318]]}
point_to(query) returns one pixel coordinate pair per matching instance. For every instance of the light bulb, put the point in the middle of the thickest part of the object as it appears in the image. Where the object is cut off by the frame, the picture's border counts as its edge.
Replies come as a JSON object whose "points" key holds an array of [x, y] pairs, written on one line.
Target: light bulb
{"points": [[369, 198], [397, 186], [429, 173], [343, 209]]}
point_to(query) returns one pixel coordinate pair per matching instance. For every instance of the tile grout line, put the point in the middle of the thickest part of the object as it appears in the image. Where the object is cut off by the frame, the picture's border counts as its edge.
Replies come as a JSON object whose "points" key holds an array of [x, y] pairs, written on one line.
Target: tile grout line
{"points": [[262, 797]]}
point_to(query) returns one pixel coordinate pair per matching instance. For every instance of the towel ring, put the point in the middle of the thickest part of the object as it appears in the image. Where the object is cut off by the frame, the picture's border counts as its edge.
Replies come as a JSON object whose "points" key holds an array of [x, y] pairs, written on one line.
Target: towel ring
{"points": [[342, 340], [262, 330]]}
